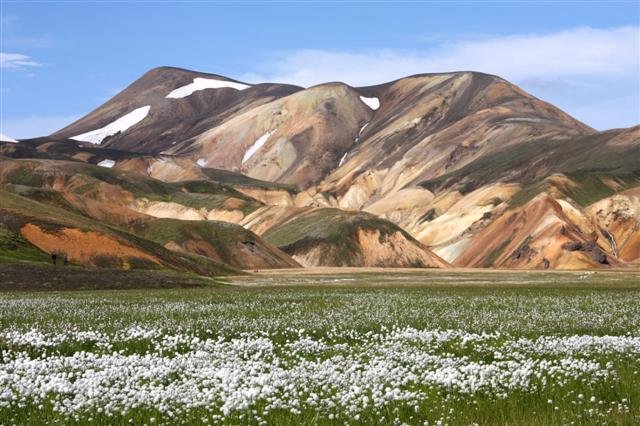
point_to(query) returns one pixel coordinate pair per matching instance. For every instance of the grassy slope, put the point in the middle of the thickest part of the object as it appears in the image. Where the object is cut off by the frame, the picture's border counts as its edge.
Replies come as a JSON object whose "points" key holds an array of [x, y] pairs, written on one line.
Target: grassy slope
{"points": [[17, 211], [59, 149], [15, 248], [196, 194], [332, 227], [222, 236], [585, 160], [226, 177]]}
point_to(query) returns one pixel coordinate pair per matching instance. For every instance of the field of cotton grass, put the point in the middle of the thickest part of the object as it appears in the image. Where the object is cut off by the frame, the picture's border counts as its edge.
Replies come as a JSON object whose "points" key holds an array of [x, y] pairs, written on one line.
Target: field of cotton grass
{"points": [[350, 349]]}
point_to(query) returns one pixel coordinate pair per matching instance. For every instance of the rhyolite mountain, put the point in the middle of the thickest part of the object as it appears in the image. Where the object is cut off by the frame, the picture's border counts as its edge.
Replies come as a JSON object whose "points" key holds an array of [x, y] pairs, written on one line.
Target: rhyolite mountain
{"points": [[432, 170]]}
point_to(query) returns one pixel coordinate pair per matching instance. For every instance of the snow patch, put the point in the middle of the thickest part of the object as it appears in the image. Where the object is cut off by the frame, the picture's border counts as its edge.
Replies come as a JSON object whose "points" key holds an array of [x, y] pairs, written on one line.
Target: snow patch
{"points": [[256, 146], [344, 157], [120, 125], [107, 163], [201, 162], [5, 138], [360, 132], [204, 83], [373, 103]]}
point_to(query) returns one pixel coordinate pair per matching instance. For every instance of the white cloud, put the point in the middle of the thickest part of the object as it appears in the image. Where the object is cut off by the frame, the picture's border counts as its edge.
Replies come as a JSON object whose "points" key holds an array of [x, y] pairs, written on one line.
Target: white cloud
{"points": [[579, 51], [16, 61], [31, 127], [560, 67]]}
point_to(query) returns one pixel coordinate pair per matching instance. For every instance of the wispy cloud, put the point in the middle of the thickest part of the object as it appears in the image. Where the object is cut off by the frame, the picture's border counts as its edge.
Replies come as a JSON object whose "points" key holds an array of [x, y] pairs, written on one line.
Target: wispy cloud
{"points": [[578, 51], [17, 61], [29, 127], [571, 67]]}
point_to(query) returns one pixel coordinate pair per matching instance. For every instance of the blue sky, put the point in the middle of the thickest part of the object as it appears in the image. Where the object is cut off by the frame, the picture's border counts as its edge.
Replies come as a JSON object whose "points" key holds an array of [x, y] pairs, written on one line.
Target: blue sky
{"points": [[60, 60]]}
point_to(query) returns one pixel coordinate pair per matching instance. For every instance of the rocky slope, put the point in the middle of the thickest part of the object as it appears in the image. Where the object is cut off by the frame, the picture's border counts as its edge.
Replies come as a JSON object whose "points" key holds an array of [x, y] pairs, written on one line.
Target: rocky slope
{"points": [[461, 168], [118, 215], [171, 119], [332, 237]]}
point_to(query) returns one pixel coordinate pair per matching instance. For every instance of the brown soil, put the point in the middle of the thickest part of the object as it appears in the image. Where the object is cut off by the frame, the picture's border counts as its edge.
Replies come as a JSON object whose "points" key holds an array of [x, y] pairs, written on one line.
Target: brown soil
{"points": [[83, 247]]}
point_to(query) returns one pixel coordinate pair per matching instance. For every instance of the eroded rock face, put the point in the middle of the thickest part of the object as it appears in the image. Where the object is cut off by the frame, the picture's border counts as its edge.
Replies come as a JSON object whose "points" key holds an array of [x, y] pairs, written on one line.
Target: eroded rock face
{"points": [[86, 247], [465, 164], [172, 120], [537, 235], [590, 248], [331, 237], [618, 217], [217, 240], [297, 139], [395, 250]]}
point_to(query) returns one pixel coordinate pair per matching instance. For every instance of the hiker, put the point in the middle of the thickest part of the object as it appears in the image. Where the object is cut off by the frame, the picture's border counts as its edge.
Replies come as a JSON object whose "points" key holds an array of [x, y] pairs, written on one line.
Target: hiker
{"points": [[66, 259], [54, 257]]}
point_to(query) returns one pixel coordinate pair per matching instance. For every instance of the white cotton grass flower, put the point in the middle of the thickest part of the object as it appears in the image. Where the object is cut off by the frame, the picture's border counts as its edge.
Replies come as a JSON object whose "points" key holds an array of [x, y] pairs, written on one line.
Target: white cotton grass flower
{"points": [[232, 375], [208, 359]]}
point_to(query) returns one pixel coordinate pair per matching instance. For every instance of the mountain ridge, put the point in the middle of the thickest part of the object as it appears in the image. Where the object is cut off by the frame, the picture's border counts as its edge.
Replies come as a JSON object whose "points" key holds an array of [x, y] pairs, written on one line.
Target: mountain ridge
{"points": [[445, 158]]}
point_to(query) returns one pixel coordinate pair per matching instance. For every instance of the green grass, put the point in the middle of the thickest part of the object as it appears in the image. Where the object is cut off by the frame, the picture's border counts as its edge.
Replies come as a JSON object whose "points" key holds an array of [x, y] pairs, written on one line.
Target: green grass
{"points": [[334, 228], [15, 248], [231, 178], [222, 236], [195, 194], [591, 188], [342, 310], [20, 210], [586, 159]]}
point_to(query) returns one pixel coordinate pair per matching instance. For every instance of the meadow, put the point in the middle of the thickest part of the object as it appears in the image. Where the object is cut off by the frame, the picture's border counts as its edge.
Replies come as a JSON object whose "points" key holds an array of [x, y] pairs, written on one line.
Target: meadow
{"points": [[428, 348]]}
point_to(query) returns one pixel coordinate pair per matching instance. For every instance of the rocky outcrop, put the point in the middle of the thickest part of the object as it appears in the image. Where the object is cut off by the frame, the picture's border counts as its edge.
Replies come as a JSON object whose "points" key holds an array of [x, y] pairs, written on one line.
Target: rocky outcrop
{"points": [[331, 237]]}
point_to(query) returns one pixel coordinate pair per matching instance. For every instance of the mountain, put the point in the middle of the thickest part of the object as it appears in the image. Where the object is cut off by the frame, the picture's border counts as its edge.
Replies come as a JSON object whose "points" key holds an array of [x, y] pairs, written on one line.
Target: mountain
{"points": [[460, 168], [333, 237], [98, 216], [5, 138], [161, 120]]}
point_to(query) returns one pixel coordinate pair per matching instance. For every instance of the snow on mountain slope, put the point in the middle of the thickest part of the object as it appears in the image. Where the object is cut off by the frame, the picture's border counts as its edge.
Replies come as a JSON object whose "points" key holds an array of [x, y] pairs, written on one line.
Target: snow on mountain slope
{"points": [[449, 155], [5, 138], [344, 157], [373, 103], [107, 163], [316, 126], [256, 146], [200, 83], [173, 121], [120, 125]]}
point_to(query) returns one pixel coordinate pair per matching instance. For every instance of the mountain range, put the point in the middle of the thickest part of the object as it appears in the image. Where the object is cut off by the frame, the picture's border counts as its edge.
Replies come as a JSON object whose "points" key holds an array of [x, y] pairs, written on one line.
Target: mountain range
{"points": [[197, 172]]}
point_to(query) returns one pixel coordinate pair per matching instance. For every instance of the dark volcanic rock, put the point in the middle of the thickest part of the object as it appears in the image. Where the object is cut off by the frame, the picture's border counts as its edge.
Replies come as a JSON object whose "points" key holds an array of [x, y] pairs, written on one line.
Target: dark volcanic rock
{"points": [[590, 248]]}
